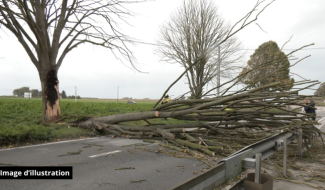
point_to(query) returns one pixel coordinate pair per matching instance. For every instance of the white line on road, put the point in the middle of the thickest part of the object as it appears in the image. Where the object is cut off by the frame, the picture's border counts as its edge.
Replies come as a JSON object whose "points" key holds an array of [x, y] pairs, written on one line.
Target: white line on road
{"points": [[320, 126], [321, 119], [47, 144], [103, 154]]}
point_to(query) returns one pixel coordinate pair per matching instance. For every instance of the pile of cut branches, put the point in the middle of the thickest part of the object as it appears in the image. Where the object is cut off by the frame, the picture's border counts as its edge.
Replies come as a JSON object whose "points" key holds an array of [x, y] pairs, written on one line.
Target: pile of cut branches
{"points": [[219, 125], [223, 123]]}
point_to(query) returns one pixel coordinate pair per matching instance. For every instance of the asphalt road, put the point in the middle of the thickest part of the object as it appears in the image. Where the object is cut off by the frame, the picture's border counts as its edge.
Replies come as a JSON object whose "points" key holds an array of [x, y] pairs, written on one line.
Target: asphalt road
{"points": [[94, 167], [321, 118]]}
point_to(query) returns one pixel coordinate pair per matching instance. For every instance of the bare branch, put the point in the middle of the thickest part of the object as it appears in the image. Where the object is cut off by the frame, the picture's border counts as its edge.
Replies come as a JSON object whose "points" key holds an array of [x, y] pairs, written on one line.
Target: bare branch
{"points": [[260, 27], [286, 42]]}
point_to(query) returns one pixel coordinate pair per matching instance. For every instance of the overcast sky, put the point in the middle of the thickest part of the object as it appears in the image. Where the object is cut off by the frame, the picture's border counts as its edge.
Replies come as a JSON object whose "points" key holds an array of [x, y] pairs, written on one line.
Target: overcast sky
{"points": [[97, 73]]}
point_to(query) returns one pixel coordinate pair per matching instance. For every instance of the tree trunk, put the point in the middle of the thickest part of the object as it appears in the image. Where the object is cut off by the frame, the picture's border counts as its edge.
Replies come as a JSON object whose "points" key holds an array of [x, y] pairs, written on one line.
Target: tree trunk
{"points": [[51, 100]]}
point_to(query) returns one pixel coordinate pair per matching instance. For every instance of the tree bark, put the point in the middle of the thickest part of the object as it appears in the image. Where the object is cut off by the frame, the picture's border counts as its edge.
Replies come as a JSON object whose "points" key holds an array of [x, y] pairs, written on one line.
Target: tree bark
{"points": [[51, 98]]}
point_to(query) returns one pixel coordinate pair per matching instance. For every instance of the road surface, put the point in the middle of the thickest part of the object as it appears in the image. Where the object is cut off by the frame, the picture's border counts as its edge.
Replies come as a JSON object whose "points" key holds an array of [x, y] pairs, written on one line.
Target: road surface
{"points": [[94, 166]]}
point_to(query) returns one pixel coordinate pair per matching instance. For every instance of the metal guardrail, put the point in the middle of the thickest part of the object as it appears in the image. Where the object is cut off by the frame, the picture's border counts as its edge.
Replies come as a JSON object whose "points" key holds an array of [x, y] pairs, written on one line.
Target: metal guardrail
{"points": [[243, 159], [209, 180]]}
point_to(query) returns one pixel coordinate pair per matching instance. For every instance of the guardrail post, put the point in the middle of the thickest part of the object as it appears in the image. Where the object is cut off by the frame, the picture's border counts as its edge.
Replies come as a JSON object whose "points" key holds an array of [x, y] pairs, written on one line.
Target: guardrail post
{"points": [[300, 142], [285, 157], [258, 166]]}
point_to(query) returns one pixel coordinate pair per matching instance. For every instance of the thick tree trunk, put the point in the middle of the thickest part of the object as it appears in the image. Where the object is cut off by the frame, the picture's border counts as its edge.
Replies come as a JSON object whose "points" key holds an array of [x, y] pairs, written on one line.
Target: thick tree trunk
{"points": [[51, 99]]}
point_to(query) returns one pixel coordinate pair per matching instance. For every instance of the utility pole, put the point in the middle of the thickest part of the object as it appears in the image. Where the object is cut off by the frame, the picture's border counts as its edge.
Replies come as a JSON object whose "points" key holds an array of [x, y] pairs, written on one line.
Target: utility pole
{"points": [[75, 93], [218, 70], [117, 93]]}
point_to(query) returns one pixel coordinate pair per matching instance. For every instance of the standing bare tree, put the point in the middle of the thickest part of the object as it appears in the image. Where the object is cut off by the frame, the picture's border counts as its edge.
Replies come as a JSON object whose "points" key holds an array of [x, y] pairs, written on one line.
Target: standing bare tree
{"points": [[193, 36], [49, 29]]}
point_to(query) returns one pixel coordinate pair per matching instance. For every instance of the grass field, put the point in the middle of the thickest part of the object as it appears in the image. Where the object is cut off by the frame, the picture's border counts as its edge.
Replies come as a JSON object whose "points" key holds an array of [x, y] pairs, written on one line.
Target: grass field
{"points": [[138, 101], [21, 119], [319, 101]]}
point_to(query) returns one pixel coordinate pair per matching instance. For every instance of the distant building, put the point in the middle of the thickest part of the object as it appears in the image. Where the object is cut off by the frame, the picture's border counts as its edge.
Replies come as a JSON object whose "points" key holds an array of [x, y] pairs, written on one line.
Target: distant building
{"points": [[27, 94]]}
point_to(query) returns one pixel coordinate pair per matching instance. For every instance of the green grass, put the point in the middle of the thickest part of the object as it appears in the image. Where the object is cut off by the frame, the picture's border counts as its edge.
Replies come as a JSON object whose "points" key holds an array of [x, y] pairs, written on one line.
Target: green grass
{"points": [[105, 101], [21, 119], [319, 101]]}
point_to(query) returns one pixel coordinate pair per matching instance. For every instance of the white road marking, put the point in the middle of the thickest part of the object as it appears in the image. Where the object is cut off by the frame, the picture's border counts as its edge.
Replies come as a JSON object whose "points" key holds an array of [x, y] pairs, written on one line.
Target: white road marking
{"points": [[321, 119], [104, 154], [46, 144], [322, 123]]}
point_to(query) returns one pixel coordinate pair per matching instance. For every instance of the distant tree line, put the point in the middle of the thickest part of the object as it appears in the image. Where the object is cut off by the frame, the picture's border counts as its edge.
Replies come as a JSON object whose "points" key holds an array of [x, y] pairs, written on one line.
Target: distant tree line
{"points": [[73, 97], [127, 98], [19, 92], [64, 95]]}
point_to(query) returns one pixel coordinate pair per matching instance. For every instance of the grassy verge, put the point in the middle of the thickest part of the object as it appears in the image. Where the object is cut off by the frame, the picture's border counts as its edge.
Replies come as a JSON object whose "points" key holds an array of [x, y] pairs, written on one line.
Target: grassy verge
{"points": [[21, 119], [319, 101]]}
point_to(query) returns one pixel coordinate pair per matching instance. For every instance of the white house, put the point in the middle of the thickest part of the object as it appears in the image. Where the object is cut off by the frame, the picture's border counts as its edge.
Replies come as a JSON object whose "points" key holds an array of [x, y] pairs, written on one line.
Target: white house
{"points": [[27, 94]]}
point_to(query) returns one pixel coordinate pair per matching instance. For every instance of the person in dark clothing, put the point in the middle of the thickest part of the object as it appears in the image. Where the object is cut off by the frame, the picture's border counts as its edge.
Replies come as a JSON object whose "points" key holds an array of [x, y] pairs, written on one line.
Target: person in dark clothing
{"points": [[310, 109]]}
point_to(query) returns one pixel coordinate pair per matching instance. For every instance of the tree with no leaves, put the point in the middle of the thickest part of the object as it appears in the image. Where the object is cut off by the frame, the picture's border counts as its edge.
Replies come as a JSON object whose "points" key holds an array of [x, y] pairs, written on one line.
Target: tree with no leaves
{"points": [[49, 30], [193, 34], [268, 64]]}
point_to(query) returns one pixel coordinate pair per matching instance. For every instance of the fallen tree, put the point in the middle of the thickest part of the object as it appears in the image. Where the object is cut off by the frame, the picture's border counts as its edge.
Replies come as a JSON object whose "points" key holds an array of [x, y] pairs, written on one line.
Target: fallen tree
{"points": [[254, 115], [219, 124]]}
